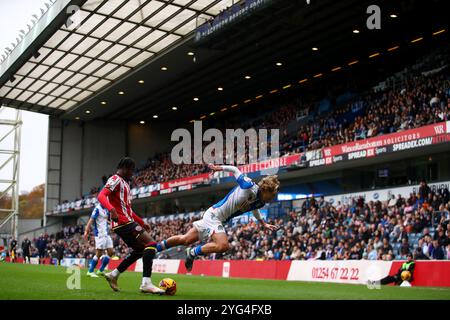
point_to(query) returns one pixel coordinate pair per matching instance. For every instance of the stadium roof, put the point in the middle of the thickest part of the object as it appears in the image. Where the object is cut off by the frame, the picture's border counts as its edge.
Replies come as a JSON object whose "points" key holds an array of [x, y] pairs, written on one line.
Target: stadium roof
{"points": [[137, 60], [113, 37]]}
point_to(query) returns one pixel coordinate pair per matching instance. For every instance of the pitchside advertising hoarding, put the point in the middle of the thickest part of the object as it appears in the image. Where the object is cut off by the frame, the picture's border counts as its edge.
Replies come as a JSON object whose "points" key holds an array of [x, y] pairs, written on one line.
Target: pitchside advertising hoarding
{"points": [[427, 273], [383, 194], [362, 149]]}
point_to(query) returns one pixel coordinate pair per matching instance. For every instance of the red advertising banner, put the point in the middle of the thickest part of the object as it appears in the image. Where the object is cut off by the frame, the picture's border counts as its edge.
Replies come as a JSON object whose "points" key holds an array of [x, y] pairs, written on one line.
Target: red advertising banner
{"points": [[399, 138], [183, 181]]}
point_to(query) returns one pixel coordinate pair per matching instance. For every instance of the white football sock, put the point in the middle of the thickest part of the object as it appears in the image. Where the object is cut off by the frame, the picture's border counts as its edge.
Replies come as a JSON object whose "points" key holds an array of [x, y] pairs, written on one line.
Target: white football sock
{"points": [[115, 273], [146, 280]]}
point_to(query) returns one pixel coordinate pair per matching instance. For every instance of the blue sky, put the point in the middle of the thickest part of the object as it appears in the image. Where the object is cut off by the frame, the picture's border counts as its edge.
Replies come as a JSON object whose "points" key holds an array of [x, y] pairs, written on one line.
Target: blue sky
{"points": [[14, 15]]}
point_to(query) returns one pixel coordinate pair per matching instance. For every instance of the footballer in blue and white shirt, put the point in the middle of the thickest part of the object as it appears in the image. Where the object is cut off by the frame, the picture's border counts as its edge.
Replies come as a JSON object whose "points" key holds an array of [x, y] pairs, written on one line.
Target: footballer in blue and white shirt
{"points": [[246, 196], [99, 219]]}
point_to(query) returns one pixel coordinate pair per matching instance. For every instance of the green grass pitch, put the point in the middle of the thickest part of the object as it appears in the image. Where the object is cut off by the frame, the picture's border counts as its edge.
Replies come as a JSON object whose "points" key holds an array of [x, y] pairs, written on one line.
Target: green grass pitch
{"points": [[18, 281]]}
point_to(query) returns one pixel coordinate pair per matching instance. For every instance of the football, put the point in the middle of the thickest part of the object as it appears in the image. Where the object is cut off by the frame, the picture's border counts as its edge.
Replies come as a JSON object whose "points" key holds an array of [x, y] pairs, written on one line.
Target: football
{"points": [[169, 285], [406, 275]]}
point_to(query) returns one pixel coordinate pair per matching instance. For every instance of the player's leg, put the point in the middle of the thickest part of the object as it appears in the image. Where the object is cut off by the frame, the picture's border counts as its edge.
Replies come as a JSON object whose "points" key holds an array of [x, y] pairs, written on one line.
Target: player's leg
{"points": [[113, 276], [106, 257], [179, 240], [94, 261], [128, 233], [148, 254], [388, 279], [218, 245]]}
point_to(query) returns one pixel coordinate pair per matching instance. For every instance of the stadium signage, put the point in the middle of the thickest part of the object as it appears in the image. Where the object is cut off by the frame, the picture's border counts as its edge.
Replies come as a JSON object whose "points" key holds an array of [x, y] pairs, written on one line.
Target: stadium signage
{"points": [[269, 164], [396, 138], [201, 178], [339, 271], [233, 14]]}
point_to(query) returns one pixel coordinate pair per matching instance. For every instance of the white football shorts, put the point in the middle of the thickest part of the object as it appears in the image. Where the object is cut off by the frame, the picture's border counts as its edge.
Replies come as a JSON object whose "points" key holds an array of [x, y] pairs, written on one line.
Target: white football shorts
{"points": [[208, 225], [103, 243]]}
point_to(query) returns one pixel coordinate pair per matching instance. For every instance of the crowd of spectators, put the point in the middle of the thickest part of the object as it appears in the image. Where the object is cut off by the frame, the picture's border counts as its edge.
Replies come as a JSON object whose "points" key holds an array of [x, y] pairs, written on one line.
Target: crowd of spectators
{"points": [[357, 230], [421, 100]]}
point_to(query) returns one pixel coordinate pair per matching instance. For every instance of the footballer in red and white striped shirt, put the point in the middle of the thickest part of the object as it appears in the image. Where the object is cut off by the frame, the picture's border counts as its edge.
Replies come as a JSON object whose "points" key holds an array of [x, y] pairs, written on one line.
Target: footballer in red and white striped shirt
{"points": [[116, 197]]}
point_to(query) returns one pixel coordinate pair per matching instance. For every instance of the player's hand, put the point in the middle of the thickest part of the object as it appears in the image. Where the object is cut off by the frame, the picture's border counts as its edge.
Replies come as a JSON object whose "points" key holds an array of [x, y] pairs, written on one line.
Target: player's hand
{"points": [[86, 236], [213, 167], [113, 215], [271, 227], [146, 227]]}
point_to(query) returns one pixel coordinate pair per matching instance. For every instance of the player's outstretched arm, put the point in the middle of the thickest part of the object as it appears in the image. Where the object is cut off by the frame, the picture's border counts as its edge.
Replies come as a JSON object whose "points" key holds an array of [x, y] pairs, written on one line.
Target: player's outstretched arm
{"points": [[236, 172], [266, 225], [243, 181]]}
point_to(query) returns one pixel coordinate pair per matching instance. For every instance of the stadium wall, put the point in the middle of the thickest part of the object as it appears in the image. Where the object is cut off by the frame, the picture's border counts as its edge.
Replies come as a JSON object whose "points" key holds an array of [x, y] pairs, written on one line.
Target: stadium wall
{"points": [[80, 153], [145, 141], [427, 273]]}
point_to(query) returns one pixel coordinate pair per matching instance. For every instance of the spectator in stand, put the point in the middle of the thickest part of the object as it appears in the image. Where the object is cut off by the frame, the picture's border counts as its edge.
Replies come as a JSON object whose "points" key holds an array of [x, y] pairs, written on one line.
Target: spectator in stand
{"points": [[436, 251], [418, 255], [424, 191]]}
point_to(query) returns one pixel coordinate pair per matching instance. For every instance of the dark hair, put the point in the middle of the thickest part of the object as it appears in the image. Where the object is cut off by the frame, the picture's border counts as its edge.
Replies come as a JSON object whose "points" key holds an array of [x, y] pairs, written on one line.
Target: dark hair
{"points": [[126, 163]]}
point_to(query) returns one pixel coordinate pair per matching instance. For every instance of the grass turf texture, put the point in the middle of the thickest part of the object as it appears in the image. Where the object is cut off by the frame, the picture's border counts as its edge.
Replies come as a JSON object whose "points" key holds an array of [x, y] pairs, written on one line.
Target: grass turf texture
{"points": [[18, 281]]}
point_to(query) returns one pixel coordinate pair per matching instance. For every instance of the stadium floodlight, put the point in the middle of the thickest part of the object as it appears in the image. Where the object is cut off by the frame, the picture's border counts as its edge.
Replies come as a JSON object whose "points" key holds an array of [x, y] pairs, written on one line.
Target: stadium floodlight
{"points": [[438, 32]]}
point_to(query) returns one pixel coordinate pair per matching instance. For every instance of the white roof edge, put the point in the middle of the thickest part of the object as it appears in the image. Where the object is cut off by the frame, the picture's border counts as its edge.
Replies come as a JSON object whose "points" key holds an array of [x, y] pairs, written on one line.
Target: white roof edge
{"points": [[31, 36]]}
